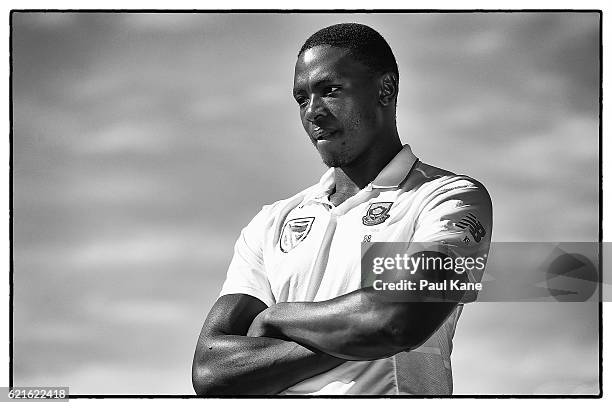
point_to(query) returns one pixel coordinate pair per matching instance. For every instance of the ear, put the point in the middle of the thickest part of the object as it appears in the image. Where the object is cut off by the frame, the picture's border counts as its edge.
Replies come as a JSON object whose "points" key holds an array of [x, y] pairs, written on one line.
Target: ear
{"points": [[388, 89]]}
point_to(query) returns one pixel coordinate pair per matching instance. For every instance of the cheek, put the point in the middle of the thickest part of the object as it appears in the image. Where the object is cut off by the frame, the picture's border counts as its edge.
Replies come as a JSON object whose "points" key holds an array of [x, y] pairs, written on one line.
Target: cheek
{"points": [[304, 121], [355, 121], [347, 115], [366, 118], [360, 114]]}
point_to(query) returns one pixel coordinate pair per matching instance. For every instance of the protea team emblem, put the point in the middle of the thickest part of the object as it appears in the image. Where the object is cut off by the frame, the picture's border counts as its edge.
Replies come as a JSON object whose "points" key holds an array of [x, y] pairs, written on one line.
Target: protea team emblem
{"points": [[294, 232], [377, 213]]}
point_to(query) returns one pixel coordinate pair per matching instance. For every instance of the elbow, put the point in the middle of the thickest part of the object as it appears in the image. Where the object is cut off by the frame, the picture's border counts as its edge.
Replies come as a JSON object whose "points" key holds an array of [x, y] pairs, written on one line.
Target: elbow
{"points": [[377, 338], [401, 337], [407, 328], [411, 332], [214, 373], [207, 382], [201, 385], [403, 333], [207, 378], [202, 379]]}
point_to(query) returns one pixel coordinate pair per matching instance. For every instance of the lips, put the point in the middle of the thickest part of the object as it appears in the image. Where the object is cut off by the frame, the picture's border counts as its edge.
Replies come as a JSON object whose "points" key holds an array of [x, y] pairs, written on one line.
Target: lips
{"points": [[319, 133]]}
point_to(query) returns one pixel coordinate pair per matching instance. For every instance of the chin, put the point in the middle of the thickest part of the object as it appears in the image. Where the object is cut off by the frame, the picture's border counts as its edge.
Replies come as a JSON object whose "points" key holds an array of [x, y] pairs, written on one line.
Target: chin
{"points": [[336, 159]]}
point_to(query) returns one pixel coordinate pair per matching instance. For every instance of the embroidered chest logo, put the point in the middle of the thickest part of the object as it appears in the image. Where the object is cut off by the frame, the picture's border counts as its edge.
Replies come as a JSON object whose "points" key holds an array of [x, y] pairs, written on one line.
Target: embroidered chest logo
{"points": [[474, 226], [377, 213], [294, 232]]}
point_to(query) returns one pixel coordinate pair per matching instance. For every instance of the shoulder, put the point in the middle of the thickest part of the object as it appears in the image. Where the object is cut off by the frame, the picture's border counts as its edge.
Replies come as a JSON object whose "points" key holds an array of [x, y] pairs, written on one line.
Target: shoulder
{"points": [[433, 183], [271, 212], [452, 208]]}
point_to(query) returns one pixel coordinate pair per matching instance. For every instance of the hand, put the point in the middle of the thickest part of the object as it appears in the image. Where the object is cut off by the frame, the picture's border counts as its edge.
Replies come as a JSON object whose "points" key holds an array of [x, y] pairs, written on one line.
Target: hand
{"points": [[266, 325], [259, 324]]}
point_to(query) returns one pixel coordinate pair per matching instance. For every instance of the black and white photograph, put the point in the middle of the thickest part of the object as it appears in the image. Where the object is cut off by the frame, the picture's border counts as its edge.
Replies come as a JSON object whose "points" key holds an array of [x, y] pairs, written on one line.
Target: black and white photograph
{"points": [[224, 203]]}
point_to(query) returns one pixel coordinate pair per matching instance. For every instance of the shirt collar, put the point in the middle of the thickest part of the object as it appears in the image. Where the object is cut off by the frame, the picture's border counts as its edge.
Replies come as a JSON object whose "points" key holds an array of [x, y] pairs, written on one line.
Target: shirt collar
{"points": [[396, 170], [390, 176]]}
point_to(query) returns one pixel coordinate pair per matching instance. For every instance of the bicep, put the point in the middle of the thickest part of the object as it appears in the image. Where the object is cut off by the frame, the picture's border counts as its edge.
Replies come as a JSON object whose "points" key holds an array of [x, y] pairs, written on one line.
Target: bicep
{"points": [[232, 314], [417, 313], [459, 217], [227, 362]]}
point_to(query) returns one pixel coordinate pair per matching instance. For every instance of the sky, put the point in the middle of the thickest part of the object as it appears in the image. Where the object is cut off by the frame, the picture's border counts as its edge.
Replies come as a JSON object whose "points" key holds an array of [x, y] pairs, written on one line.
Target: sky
{"points": [[143, 143]]}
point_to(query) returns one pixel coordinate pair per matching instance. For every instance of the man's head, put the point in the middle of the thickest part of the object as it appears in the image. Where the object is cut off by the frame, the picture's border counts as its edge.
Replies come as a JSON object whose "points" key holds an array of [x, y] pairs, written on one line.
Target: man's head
{"points": [[346, 83]]}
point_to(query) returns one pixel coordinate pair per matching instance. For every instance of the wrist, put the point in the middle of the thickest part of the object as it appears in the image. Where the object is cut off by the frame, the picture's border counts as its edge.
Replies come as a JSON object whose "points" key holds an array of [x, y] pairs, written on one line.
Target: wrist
{"points": [[273, 321]]}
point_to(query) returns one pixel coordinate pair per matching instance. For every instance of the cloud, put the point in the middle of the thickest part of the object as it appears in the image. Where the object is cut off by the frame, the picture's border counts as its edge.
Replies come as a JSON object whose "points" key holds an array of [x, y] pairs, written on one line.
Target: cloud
{"points": [[161, 23], [125, 138]]}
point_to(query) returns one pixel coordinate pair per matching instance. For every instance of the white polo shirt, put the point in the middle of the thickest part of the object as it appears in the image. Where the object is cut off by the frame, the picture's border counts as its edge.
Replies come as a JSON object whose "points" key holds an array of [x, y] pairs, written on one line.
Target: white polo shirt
{"points": [[306, 249]]}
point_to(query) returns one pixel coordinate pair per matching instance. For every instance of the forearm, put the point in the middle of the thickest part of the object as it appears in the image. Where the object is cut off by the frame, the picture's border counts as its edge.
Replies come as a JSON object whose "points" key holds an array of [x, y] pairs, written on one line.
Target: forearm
{"points": [[348, 327], [240, 365], [356, 326]]}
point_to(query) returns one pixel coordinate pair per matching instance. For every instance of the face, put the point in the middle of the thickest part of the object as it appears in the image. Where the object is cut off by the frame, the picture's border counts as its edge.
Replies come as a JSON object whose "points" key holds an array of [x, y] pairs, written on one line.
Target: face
{"points": [[339, 104]]}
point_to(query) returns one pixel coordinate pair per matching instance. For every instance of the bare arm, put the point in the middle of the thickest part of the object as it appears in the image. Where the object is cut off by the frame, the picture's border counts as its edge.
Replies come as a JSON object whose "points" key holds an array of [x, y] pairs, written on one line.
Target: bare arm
{"points": [[361, 325], [227, 362]]}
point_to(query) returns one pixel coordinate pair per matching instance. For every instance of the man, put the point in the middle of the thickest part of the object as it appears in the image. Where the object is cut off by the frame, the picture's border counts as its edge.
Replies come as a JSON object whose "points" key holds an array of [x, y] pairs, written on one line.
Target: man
{"points": [[293, 317]]}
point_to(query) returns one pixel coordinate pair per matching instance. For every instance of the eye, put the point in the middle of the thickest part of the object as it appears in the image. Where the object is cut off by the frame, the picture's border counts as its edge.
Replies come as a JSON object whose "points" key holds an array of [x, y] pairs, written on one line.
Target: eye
{"points": [[301, 100], [331, 90]]}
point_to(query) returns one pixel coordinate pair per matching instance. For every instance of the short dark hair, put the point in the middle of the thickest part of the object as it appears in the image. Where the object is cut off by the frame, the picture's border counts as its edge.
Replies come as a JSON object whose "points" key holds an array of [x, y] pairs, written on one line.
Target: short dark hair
{"points": [[364, 43]]}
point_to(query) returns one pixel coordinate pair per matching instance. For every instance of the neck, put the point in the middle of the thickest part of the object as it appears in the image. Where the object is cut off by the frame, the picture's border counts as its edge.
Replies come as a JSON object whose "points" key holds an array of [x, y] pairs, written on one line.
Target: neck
{"points": [[354, 177]]}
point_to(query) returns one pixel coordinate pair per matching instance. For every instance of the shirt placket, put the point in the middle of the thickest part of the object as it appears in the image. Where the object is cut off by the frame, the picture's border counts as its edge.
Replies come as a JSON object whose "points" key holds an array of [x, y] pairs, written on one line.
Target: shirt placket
{"points": [[318, 268]]}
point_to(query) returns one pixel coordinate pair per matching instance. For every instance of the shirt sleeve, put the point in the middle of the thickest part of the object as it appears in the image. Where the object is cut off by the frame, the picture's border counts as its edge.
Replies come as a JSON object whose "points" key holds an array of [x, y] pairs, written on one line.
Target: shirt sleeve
{"points": [[458, 215], [246, 273]]}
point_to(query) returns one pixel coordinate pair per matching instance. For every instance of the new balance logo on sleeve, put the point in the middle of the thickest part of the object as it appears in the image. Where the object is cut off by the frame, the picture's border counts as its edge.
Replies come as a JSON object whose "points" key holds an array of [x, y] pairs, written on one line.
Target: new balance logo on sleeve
{"points": [[474, 226]]}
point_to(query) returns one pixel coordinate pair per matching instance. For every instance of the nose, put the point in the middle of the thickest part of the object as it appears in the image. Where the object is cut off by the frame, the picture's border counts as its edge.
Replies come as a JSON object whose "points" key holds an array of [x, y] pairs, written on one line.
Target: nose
{"points": [[315, 109]]}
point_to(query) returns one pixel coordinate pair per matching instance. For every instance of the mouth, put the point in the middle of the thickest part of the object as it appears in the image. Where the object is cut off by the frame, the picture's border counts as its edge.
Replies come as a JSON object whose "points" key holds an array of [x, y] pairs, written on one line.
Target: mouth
{"points": [[319, 133]]}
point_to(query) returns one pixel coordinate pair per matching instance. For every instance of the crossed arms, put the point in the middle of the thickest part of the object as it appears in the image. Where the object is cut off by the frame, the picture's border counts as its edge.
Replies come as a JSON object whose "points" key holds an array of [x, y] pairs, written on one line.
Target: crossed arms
{"points": [[245, 348]]}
